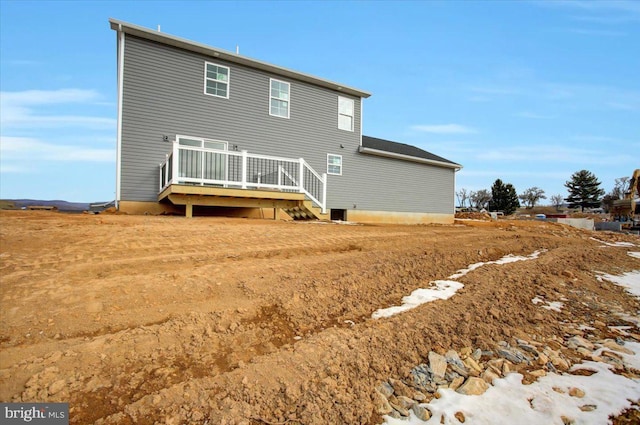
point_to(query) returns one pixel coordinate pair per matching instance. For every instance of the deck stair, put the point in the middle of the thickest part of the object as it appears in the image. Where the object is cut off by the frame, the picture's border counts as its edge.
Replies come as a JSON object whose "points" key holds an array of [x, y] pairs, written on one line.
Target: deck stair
{"points": [[305, 210]]}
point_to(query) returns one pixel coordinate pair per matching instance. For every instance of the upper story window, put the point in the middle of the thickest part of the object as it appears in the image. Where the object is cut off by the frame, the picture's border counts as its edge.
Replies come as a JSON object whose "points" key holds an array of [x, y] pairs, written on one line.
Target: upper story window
{"points": [[216, 80], [345, 113], [279, 98], [334, 164]]}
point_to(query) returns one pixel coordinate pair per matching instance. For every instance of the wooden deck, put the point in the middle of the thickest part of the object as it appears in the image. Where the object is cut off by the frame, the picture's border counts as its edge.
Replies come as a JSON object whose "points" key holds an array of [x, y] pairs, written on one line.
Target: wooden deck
{"points": [[190, 195]]}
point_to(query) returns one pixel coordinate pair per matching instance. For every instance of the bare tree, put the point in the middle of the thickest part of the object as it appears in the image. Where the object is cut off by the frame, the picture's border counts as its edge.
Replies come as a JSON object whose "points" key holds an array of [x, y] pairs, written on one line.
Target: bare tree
{"points": [[531, 196], [480, 199], [620, 188], [556, 201], [463, 196]]}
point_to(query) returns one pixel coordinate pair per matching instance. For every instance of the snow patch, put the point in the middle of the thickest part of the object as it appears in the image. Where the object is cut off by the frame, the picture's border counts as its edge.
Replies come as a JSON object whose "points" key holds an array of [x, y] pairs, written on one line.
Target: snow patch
{"points": [[443, 289], [618, 244], [634, 254], [509, 258], [549, 305], [630, 281], [511, 402]]}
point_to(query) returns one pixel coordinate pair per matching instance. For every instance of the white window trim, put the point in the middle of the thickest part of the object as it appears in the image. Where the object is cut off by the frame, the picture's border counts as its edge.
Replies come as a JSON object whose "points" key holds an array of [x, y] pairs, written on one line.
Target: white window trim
{"points": [[341, 164], [353, 108], [228, 82], [288, 100], [202, 140]]}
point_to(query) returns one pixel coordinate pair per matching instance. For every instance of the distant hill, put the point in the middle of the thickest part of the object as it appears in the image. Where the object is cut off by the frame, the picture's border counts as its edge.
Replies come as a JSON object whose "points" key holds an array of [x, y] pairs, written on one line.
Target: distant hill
{"points": [[61, 205]]}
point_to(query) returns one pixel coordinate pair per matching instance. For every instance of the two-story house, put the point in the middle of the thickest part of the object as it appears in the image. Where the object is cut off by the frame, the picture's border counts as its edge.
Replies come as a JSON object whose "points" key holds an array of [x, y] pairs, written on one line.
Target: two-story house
{"points": [[202, 129]]}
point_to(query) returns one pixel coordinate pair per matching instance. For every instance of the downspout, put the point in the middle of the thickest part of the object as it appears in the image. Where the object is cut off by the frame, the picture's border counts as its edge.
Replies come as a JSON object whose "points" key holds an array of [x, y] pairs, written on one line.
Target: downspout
{"points": [[120, 49], [361, 112]]}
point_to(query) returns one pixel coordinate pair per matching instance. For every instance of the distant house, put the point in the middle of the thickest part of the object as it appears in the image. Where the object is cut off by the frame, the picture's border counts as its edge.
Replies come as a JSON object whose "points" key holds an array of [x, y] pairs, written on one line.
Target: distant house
{"points": [[200, 128]]}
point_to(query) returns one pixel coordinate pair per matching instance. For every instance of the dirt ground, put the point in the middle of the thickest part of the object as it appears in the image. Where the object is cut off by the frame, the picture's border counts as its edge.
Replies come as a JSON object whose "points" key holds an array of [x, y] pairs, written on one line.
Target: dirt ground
{"points": [[142, 319]]}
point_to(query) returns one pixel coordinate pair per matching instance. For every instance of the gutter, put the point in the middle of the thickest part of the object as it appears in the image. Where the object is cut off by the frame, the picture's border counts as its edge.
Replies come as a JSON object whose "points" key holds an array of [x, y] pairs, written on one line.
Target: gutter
{"points": [[387, 154], [233, 57]]}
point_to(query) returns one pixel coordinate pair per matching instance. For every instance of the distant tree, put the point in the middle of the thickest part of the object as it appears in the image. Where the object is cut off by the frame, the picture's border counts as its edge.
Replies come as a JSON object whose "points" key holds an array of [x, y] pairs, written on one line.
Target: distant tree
{"points": [[480, 199], [531, 196], [584, 190], [463, 196], [619, 190], [503, 198], [556, 201]]}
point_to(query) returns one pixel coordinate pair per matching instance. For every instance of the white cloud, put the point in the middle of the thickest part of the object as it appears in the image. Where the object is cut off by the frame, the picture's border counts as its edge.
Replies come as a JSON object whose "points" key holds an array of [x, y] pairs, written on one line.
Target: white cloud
{"points": [[553, 153], [28, 149], [19, 109], [42, 97], [444, 129]]}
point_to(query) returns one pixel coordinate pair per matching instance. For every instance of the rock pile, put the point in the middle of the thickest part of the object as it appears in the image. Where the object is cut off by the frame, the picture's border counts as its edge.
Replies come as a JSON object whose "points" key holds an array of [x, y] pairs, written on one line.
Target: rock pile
{"points": [[471, 371]]}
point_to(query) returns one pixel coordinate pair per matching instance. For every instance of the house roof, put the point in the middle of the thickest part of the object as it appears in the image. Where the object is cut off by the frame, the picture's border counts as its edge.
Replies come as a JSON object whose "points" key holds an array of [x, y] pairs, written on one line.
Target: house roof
{"points": [[193, 46], [389, 149]]}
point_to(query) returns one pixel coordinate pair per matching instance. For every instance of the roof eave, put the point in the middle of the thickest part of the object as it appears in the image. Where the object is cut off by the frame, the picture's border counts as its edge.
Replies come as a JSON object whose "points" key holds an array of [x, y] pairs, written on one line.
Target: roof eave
{"points": [[183, 43], [386, 154]]}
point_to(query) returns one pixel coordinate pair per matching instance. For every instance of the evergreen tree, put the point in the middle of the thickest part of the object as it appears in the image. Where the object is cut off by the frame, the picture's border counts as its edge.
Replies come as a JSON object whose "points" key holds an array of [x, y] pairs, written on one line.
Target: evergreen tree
{"points": [[584, 190], [503, 198]]}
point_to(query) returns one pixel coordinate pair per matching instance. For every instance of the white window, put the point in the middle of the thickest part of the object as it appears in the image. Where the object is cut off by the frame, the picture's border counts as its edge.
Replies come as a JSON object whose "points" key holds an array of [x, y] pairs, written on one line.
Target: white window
{"points": [[334, 164], [216, 80], [279, 98], [345, 113], [201, 163]]}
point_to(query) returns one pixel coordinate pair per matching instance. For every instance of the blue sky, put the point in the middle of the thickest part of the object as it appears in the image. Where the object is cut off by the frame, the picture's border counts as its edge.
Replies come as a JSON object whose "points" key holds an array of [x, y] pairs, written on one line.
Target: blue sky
{"points": [[528, 92]]}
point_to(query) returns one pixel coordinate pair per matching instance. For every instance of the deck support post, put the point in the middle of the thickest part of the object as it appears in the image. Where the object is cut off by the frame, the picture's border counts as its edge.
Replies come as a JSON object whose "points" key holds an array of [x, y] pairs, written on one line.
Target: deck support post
{"points": [[276, 213], [243, 179], [189, 209]]}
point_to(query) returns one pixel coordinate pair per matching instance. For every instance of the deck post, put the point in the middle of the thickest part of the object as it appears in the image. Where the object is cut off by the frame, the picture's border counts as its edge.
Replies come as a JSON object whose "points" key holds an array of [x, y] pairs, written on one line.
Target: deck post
{"points": [[175, 172], [189, 209], [301, 176], [243, 169], [324, 193], [276, 213]]}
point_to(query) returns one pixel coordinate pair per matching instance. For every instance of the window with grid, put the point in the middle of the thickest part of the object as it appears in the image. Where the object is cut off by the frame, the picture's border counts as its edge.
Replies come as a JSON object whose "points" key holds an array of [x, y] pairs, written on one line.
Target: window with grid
{"points": [[279, 98], [345, 113], [216, 80], [334, 164]]}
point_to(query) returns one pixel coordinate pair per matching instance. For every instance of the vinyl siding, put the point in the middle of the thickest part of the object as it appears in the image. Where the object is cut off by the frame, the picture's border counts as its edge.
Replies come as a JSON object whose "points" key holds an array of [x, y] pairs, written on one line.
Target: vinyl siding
{"points": [[163, 94]]}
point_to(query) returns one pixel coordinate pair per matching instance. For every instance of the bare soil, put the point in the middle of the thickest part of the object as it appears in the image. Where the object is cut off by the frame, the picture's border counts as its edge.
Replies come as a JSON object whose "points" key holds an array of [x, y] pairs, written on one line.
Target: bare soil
{"points": [[142, 319]]}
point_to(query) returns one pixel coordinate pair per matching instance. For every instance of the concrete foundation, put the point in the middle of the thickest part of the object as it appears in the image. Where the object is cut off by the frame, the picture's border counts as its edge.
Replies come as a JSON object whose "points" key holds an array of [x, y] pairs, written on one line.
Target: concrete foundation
{"points": [[580, 223], [389, 217], [612, 226]]}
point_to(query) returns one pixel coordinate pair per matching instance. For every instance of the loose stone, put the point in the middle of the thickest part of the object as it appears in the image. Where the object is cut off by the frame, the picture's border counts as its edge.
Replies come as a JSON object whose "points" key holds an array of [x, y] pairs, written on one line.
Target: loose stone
{"points": [[438, 364], [576, 392], [489, 375], [578, 341], [612, 345], [420, 412], [456, 382], [381, 404], [385, 389], [473, 386], [460, 416], [406, 402]]}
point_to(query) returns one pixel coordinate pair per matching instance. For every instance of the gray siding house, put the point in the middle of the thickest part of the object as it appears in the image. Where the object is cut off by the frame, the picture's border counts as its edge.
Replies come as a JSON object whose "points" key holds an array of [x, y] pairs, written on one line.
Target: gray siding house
{"points": [[202, 129]]}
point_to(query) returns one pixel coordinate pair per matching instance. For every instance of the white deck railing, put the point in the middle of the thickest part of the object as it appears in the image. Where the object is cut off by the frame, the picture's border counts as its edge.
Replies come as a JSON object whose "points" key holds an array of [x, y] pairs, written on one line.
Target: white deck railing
{"points": [[242, 170]]}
